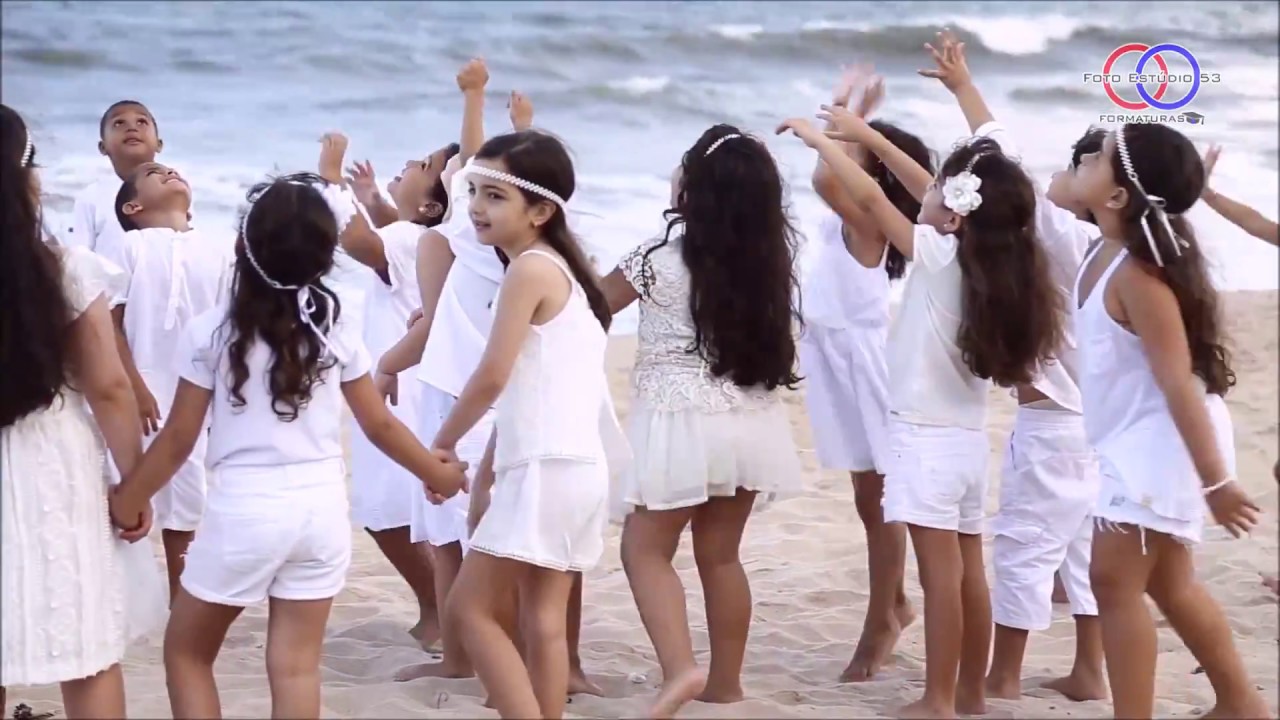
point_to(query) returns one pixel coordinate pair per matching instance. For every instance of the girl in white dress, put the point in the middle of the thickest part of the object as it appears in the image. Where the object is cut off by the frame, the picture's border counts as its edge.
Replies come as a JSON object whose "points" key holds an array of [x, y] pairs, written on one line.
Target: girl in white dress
{"points": [[383, 494], [979, 305], [273, 365], [63, 618], [846, 313], [708, 429], [543, 368], [1154, 370]]}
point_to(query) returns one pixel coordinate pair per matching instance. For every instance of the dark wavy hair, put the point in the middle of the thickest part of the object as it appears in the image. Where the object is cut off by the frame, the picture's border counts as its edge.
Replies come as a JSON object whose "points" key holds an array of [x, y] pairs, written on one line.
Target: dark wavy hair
{"points": [[34, 308], [1169, 167], [1012, 312], [895, 263], [439, 192], [739, 245], [293, 235], [1090, 142], [540, 158]]}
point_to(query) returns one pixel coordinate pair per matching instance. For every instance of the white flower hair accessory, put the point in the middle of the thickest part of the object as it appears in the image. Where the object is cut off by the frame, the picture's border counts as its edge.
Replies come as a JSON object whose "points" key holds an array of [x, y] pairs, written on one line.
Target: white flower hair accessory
{"points": [[1155, 205], [960, 191]]}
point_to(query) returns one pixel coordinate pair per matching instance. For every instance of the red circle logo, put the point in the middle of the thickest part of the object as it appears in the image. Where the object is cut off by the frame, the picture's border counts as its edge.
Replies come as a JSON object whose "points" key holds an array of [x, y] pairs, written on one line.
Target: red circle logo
{"points": [[1111, 60]]}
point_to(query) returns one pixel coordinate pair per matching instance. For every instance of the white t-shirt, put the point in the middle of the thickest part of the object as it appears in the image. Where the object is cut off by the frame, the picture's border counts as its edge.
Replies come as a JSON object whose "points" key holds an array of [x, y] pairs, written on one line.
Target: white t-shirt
{"points": [[1065, 239], [929, 383], [253, 434], [172, 277], [93, 220]]}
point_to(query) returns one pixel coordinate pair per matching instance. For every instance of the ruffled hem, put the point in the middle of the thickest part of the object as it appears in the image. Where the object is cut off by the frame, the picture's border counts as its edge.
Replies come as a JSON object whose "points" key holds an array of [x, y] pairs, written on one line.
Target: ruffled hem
{"points": [[685, 458]]}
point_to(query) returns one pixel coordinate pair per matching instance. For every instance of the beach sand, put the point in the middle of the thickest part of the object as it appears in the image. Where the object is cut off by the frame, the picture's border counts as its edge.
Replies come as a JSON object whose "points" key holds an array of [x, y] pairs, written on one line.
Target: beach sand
{"points": [[808, 569]]}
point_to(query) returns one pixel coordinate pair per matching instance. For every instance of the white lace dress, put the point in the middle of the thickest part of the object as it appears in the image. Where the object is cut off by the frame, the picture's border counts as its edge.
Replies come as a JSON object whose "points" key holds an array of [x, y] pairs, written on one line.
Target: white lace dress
{"points": [[694, 436], [63, 602]]}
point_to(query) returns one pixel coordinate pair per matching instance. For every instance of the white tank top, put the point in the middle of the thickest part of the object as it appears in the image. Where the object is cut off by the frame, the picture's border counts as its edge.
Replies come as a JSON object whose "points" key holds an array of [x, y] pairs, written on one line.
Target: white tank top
{"points": [[841, 292], [553, 403], [1125, 414]]}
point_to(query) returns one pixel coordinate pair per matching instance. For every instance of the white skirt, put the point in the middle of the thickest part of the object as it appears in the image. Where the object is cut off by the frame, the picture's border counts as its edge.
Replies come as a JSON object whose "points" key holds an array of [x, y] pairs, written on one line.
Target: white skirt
{"points": [[687, 457], [547, 512], [847, 395], [383, 493], [446, 523]]}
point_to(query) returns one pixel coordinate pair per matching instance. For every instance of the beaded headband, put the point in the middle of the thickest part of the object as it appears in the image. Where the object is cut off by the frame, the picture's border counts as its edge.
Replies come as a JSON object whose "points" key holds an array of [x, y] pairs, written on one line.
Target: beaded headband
{"points": [[1155, 204], [28, 151], [342, 203], [536, 189], [720, 142]]}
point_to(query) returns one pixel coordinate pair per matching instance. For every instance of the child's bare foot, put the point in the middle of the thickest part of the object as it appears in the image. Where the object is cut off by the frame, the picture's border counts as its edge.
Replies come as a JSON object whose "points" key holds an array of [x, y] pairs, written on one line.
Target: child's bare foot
{"points": [[1003, 687], [1249, 707], [971, 702], [925, 710], [427, 633], [443, 669], [580, 684], [1272, 583], [874, 650], [1079, 686], [676, 693], [905, 613], [721, 696]]}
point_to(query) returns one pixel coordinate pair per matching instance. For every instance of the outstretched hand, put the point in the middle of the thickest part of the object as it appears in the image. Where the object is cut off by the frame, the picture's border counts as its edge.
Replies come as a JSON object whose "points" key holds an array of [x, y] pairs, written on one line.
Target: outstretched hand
{"points": [[1210, 160], [333, 147], [520, 109], [803, 129], [848, 126], [852, 78], [1233, 509], [948, 58], [473, 76], [363, 183]]}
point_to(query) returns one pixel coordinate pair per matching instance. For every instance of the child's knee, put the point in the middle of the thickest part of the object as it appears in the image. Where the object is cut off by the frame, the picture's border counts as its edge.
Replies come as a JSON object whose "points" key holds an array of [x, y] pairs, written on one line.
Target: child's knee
{"points": [[288, 663], [1110, 582], [712, 556], [544, 627]]}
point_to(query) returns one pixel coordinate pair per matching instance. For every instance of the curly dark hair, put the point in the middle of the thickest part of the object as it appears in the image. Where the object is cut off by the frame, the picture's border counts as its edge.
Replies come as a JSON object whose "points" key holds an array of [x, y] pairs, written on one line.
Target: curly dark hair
{"points": [[540, 158], [34, 308], [895, 263], [293, 235], [1169, 167], [1012, 312], [739, 245]]}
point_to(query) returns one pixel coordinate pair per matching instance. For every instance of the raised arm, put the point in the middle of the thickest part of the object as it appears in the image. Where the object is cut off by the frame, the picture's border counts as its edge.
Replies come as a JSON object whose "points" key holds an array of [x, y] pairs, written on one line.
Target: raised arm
{"points": [[825, 184], [358, 238], [520, 110], [471, 81], [862, 188], [952, 70], [364, 184], [1240, 215], [851, 128]]}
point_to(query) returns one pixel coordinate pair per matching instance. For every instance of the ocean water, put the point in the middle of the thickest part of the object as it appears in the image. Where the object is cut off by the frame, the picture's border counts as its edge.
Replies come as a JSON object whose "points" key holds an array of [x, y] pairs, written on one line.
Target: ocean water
{"points": [[241, 90]]}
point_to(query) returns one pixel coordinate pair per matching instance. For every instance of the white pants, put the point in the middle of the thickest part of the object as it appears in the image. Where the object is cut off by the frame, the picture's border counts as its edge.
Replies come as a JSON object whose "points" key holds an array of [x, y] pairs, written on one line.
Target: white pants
{"points": [[937, 477], [1048, 489], [280, 531]]}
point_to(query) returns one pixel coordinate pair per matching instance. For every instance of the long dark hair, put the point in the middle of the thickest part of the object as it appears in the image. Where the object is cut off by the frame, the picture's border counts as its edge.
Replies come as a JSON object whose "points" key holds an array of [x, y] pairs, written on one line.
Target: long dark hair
{"points": [[1169, 167], [739, 246], [895, 263], [1012, 312], [293, 235], [541, 159], [34, 308]]}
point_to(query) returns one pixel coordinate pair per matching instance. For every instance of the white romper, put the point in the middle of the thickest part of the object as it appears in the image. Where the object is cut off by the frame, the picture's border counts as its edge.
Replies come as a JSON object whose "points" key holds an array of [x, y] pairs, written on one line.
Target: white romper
{"points": [[278, 521], [694, 436], [1148, 477], [842, 354], [383, 493], [554, 422], [172, 277], [70, 596]]}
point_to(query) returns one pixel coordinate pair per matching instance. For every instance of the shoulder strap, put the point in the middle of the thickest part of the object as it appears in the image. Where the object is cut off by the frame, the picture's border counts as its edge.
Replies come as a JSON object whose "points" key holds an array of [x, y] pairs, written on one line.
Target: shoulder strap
{"points": [[560, 263]]}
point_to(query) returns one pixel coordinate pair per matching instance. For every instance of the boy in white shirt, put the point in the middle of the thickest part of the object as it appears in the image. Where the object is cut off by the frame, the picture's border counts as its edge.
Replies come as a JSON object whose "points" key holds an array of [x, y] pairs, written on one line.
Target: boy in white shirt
{"points": [[174, 274], [129, 137]]}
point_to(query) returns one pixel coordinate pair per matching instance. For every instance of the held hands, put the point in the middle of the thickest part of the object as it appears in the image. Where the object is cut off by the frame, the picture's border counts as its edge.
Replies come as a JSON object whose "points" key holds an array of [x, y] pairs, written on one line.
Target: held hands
{"points": [[363, 183], [948, 56], [473, 76], [520, 108], [414, 317], [1232, 509], [131, 517], [452, 475], [333, 146]]}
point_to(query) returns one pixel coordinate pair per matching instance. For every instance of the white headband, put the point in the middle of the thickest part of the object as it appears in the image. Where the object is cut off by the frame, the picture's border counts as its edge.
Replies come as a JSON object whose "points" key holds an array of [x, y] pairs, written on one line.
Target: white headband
{"points": [[342, 203], [28, 151], [473, 169], [1155, 204], [720, 142]]}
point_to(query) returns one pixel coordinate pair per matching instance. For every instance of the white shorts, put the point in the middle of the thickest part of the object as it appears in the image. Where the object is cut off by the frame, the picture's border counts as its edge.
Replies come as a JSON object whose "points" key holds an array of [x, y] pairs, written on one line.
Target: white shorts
{"points": [[936, 477], [1048, 489], [847, 395], [280, 531], [444, 524]]}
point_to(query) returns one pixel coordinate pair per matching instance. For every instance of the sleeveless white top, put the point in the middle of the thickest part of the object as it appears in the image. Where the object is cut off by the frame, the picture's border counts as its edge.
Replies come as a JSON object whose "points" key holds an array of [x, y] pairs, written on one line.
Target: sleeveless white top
{"points": [[1126, 416], [841, 292], [555, 398]]}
